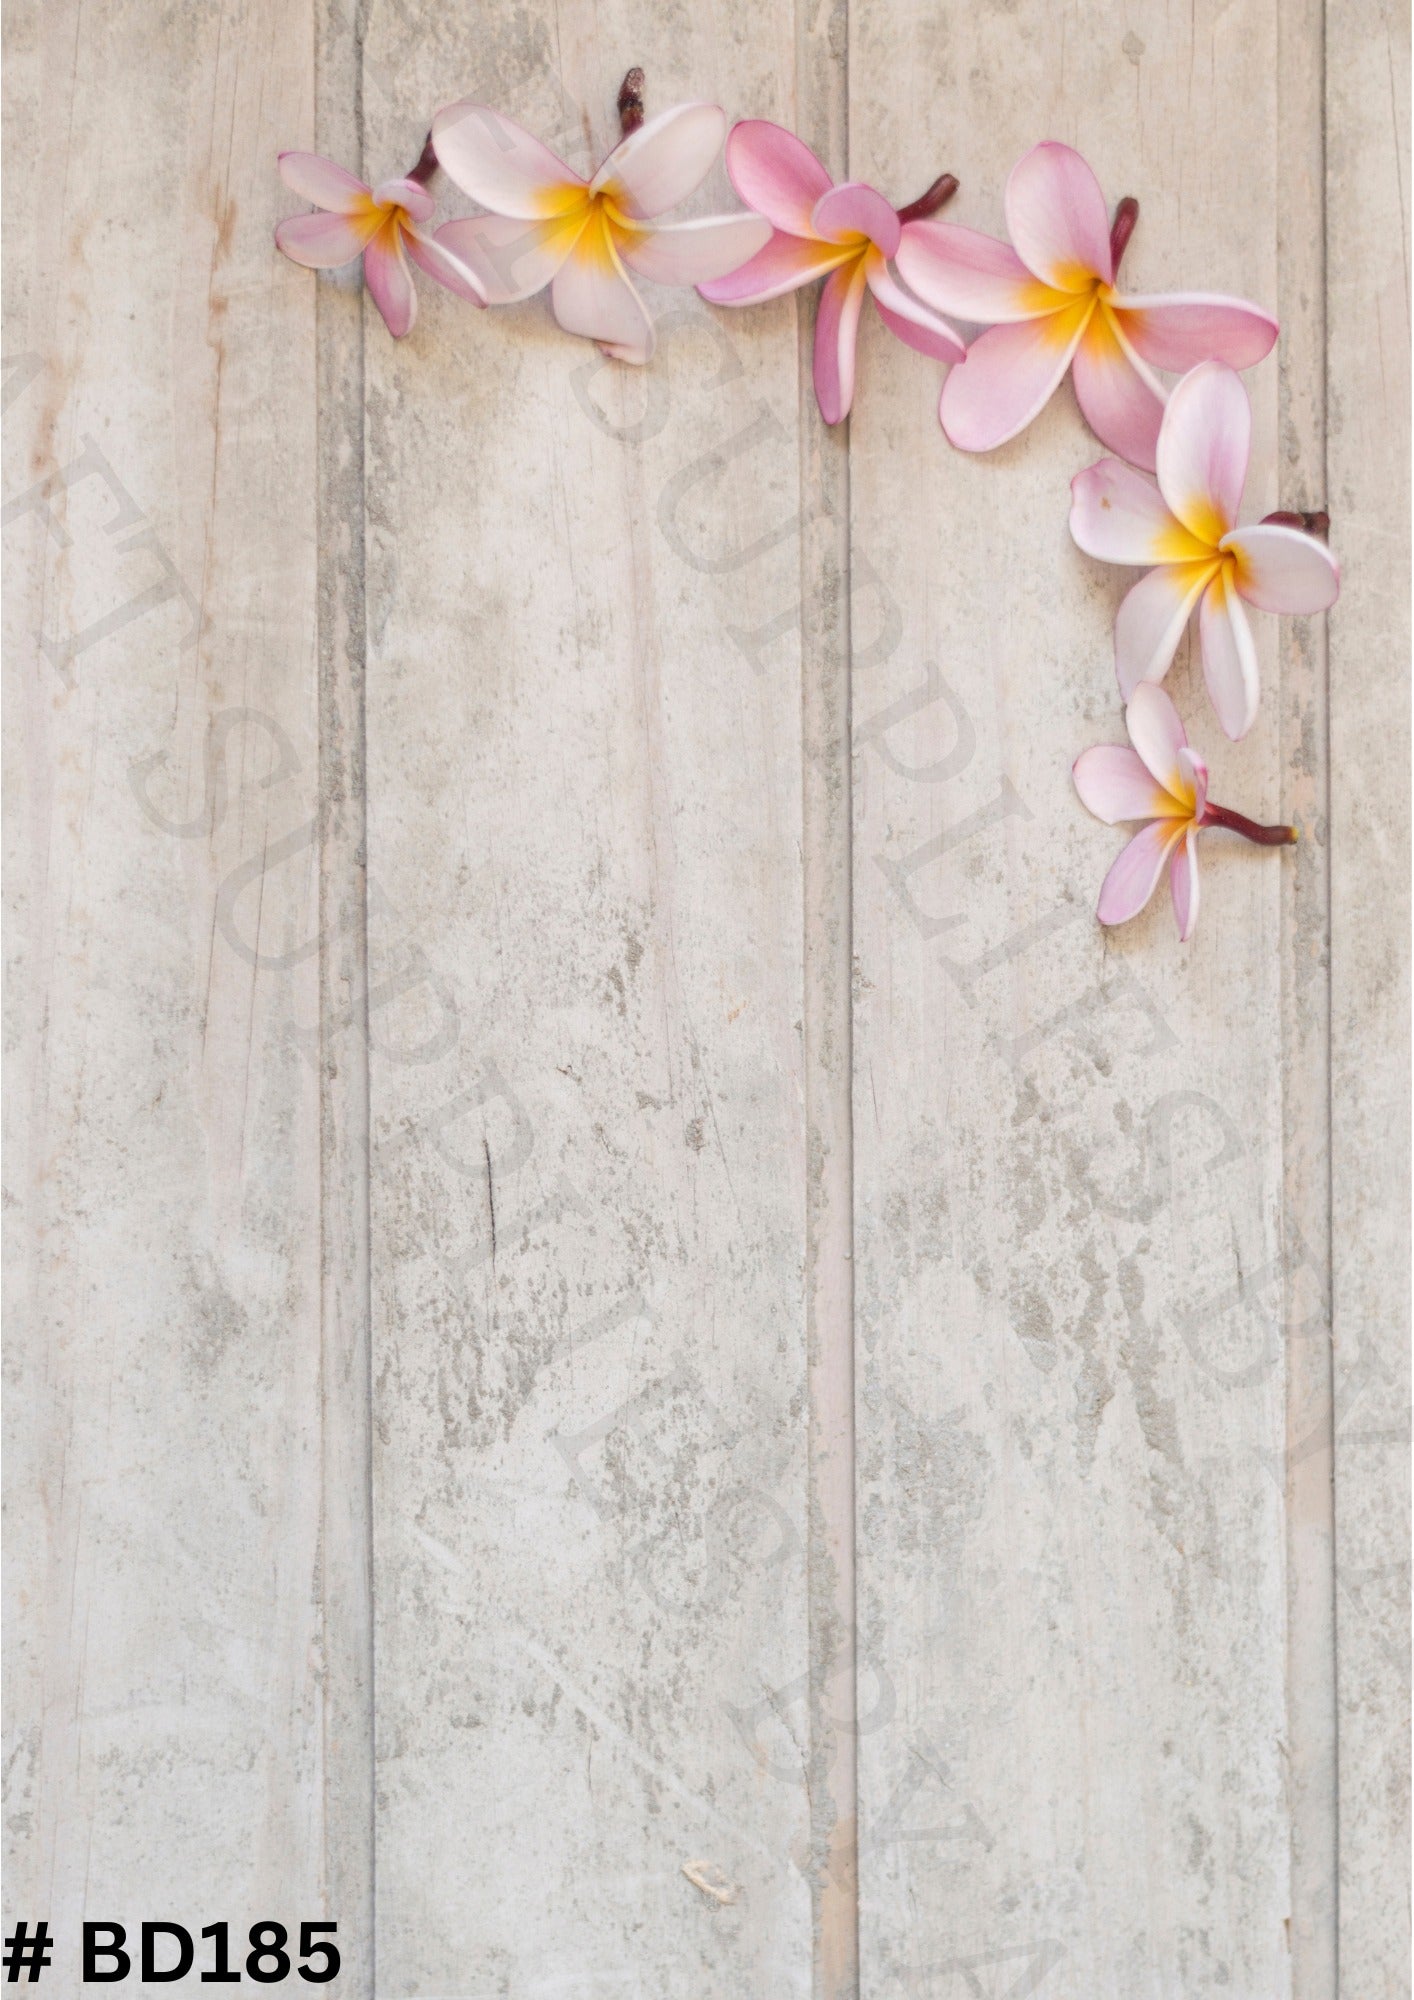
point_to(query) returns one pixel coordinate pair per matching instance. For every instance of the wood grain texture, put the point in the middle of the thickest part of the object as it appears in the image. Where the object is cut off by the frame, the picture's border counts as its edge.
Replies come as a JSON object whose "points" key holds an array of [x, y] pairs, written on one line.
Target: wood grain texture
{"points": [[822, 115], [1068, 1144], [1367, 139], [1310, 1734], [585, 940], [169, 1663], [584, 1196]]}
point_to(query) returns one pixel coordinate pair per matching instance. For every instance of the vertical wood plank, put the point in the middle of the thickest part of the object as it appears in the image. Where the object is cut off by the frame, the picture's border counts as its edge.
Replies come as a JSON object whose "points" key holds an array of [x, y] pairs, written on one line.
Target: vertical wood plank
{"points": [[585, 1017], [340, 1048], [1068, 1144], [1367, 140], [1310, 1735], [170, 1664], [822, 45]]}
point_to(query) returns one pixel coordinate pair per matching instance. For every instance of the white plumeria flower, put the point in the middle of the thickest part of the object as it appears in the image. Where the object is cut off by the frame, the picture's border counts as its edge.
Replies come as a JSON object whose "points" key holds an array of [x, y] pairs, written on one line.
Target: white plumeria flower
{"points": [[1164, 783], [844, 234], [549, 226], [1052, 302], [1185, 521], [385, 226]]}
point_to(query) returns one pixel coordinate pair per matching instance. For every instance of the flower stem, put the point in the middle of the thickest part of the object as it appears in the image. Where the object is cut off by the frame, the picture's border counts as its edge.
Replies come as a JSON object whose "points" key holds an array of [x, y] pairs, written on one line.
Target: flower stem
{"points": [[426, 166], [1265, 836], [929, 202], [1126, 215], [631, 101], [1318, 524]]}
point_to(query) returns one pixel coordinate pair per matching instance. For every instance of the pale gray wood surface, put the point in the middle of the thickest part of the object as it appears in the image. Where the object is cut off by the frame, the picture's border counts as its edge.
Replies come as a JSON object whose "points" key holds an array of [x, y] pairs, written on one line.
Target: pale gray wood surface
{"points": [[172, 1671], [587, 1096], [531, 1187], [1068, 1143], [1367, 137]]}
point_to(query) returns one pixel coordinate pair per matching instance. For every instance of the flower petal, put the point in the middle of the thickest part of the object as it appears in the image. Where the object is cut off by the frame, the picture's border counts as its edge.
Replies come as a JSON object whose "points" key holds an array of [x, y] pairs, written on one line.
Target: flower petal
{"points": [[836, 330], [1118, 397], [664, 161], [1179, 330], [1134, 877], [786, 263], [693, 253], [1010, 374], [1118, 515], [855, 209], [1183, 884], [1056, 217], [1204, 444], [592, 296], [319, 242], [508, 257], [1229, 657], [1157, 734], [408, 194], [1114, 783], [1153, 618], [443, 264], [775, 173], [913, 323], [501, 165], [1195, 777], [961, 271], [386, 273], [1282, 569], [324, 182]]}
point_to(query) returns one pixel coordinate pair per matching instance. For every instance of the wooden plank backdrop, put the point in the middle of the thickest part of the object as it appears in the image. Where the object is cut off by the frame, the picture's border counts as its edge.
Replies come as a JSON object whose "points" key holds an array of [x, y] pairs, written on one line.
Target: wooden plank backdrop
{"points": [[639, 1363]]}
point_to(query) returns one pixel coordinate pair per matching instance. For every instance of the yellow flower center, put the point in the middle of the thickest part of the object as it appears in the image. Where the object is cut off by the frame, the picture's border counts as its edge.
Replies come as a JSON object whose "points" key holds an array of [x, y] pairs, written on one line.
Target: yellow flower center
{"points": [[594, 224]]}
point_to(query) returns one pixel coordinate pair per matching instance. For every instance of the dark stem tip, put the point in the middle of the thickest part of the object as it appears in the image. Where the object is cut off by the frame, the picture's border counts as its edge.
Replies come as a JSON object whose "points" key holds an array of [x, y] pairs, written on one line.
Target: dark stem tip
{"points": [[1122, 228], [931, 200], [427, 165], [1236, 822], [631, 100], [1317, 523]]}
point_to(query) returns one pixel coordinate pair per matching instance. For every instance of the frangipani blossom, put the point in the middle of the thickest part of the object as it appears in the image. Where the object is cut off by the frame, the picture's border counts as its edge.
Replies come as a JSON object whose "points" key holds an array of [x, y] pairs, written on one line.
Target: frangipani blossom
{"points": [[1185, 522], [383, 225], [1164, 783], [1051, 302], [549, 226], [844, 234]]}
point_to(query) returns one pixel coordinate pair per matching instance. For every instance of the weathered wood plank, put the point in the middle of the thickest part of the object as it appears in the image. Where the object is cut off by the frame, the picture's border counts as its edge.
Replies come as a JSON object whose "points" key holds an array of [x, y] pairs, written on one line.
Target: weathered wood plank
{"points": [[170, 1665], [821, 119], [1097, 1182], [1068, 1145], [341, 1050], [1310, 1735], [1367, 141], [585, 933]]}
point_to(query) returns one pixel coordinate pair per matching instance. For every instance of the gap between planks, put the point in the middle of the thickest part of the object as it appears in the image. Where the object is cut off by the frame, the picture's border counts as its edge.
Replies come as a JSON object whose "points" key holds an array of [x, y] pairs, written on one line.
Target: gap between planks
{"points": [[1302, 262], [346, 1417], [827, 812]]}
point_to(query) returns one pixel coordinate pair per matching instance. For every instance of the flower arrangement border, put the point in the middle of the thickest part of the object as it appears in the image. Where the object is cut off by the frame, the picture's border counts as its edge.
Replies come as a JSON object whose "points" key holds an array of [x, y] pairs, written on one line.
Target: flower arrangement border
{"points": [[1167, 500]]}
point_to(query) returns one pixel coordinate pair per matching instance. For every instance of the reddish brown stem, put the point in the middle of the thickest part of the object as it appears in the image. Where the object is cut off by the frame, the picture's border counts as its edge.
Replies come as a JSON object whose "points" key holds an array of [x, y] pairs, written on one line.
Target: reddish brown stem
{"points": [[931, 200], [427, 165], [1265, 836], [1318, 523], [631, 101], [1121, 229]]}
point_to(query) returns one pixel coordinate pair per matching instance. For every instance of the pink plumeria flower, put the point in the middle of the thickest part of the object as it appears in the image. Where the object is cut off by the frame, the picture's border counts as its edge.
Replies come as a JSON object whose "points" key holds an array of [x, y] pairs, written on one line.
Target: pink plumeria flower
{"points": [[383, 225], [1052, 302], [1164, 783], [549, 226], [844, 234], [1185, 522]]}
